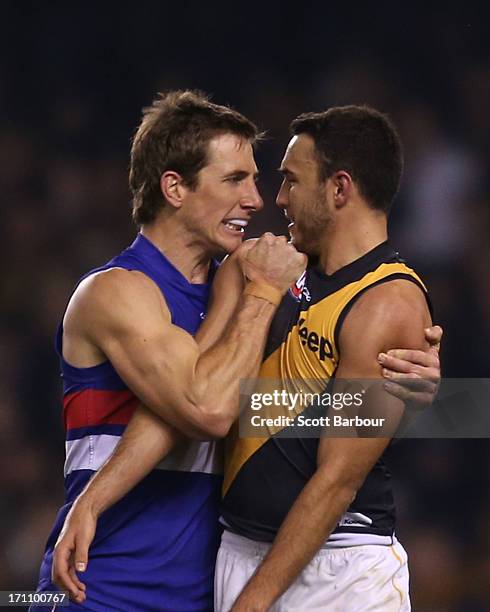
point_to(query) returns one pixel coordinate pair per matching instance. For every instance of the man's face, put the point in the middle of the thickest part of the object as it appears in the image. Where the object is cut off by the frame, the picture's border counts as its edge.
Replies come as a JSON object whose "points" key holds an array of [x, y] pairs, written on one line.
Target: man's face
{"points": [[218, 210], [302, 195]]}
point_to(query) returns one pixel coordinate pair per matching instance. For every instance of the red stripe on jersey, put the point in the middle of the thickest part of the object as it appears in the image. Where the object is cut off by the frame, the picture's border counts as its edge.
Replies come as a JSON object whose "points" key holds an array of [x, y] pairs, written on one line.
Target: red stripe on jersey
{"points": [[91, 407]]}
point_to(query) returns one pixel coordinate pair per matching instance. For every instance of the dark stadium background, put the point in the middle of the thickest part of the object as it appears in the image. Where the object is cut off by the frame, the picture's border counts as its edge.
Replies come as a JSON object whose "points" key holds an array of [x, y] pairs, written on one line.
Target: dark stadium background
{"points": [[73, 78]]}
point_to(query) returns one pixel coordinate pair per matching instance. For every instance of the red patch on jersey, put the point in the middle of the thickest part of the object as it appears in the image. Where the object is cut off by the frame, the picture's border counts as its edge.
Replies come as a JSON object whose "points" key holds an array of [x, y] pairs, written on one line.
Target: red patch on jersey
{"points": [[296, 290]]}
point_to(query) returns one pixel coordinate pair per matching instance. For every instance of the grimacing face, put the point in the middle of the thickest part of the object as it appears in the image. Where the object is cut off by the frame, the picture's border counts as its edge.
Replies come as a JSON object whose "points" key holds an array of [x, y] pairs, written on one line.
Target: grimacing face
{"points": [[219, 209], [302, 194]]}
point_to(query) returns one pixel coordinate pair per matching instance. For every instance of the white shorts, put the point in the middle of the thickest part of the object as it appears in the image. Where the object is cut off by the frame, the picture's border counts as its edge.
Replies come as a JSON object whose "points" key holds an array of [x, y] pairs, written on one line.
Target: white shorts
{"points": [[352, 579]]}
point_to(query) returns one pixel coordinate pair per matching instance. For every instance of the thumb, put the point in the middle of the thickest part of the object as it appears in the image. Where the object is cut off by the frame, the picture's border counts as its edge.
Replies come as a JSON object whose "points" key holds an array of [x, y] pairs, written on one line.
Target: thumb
{"points": [[433, 336], [80, 554]]}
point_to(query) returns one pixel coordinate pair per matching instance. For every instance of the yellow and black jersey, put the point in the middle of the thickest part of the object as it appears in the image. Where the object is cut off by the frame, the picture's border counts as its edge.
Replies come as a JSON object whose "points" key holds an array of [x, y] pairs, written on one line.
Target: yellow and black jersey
{"points": [[263, 476]]}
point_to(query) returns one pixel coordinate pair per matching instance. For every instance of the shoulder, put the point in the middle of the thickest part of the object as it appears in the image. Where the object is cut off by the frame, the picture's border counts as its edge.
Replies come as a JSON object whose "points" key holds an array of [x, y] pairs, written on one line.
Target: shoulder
{"points": [[391, 301], [118, 283], [393, 313], [115, 293]]}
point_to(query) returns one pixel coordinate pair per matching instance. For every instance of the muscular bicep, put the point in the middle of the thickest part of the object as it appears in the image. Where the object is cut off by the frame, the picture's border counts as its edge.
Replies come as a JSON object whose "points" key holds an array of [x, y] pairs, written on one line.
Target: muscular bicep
{"points": [[124, 315], [390, 315]]}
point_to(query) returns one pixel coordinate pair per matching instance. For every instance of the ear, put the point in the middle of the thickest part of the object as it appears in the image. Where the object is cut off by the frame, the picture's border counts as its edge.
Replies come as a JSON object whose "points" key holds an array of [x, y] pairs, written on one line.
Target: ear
{"points": [[173, 188], [342, 185]]}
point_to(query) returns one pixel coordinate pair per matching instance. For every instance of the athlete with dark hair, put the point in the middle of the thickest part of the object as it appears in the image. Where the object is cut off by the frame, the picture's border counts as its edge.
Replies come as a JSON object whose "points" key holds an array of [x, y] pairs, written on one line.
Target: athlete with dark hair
{"points": [[309, 522]]}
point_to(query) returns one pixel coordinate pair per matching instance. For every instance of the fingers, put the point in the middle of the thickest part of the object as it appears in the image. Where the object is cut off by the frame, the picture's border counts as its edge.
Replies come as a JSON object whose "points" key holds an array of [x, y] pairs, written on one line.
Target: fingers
{"points": [[406, 360], [420, 398], [63, 573], [80, 585], [413, 382], [433, 336], [274, 261]]}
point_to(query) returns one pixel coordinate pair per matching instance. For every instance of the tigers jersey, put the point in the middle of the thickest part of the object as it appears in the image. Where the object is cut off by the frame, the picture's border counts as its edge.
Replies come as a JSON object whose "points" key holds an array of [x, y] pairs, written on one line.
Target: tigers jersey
{"points": [[155, 549], [263, 477]]}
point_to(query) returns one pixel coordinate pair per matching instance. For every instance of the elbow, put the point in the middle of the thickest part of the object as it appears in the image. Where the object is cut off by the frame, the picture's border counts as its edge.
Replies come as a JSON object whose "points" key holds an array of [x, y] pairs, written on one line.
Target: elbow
{"points": [[205, 423], [196, 420], [213, 419], [214, 426]]}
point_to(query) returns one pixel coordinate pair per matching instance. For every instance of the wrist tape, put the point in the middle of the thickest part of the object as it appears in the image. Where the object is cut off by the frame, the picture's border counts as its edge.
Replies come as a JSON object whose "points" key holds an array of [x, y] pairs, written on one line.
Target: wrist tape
{"points": [[265, 292]]}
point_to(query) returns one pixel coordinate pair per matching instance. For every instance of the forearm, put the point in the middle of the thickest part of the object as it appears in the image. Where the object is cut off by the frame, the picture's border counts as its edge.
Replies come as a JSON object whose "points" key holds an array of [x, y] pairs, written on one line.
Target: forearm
{"points": [[236, 356], [307, 526], [228, 286], [194, 388], [146, 441]]}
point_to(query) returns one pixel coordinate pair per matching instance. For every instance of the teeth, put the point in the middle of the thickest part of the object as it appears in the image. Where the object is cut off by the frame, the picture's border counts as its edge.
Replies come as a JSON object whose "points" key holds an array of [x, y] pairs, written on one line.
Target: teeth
{"points": [[237, 225], [240, 222]]}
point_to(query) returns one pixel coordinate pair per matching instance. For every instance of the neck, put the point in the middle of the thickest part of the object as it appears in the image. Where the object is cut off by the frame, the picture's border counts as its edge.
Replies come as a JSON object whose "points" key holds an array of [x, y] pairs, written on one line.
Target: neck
{"points": [[348, 239], [190, 259]]}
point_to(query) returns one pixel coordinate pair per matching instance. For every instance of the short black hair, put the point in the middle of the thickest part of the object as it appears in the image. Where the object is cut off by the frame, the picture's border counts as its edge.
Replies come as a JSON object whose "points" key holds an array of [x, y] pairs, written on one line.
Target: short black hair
{"points": [[363, 142]]}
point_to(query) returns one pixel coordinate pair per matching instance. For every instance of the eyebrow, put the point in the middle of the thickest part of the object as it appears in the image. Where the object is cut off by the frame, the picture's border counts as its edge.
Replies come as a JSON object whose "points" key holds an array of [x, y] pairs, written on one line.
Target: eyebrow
{"points": [[286, 171], [240, 174]]}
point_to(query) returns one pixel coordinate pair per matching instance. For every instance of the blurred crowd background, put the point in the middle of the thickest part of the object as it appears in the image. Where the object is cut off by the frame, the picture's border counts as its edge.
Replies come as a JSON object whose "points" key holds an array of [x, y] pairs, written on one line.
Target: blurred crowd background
{"points": [[73, 80]]}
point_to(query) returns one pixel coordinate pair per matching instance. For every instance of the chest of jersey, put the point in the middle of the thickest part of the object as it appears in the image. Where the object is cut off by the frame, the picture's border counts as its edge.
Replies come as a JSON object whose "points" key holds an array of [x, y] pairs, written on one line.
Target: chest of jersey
{"points": [[304, 344]]}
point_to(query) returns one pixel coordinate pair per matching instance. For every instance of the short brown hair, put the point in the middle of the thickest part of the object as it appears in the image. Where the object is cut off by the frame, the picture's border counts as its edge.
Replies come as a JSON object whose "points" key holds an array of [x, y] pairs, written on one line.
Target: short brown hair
{"points": [[363, 142], [173, 135]]}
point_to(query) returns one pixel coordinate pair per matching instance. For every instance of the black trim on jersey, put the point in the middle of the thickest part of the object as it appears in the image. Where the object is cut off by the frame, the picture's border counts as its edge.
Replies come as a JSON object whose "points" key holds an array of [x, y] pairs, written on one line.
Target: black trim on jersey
{"points": [[347, 308], [319, 286], [357, 269]]}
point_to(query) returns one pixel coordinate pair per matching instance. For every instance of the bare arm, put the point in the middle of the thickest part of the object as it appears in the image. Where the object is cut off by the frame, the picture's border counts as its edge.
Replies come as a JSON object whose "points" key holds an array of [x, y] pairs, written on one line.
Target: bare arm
{"points": [[147, 438], [228, 285], [389, 315], [146, 441], [161, 363]]}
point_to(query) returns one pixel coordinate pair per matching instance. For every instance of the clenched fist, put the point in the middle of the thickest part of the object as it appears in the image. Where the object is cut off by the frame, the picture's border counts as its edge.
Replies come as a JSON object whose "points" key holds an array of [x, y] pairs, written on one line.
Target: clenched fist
{"points": [[273, 261]]}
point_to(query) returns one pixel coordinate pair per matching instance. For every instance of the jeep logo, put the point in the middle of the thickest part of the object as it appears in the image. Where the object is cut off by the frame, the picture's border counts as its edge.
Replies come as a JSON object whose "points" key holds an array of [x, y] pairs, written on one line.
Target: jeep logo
{"points": [[314, 342]]}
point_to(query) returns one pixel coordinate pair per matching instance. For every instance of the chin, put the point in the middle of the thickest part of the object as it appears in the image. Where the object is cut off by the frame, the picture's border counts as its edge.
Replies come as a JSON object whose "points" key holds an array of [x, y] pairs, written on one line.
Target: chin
{"points": [[304, 247], [297, 241]]}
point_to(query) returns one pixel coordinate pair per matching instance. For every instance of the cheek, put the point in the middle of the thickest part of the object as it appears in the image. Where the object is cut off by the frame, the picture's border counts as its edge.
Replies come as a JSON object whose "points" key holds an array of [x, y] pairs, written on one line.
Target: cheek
{"points": [[304, 203]]}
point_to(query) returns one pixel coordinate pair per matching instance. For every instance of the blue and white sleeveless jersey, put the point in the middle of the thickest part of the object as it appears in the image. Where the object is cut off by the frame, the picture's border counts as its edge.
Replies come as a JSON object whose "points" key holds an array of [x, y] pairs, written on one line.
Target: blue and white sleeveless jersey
{"points": [[155, 549]]}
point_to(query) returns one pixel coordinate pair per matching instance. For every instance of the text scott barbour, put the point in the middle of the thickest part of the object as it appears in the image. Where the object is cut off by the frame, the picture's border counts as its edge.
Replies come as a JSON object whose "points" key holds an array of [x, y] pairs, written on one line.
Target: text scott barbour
{"points": [[324, 421]]}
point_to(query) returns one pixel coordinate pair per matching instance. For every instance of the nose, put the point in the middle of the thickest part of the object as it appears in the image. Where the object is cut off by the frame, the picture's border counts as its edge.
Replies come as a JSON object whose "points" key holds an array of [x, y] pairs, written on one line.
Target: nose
{"points": [[253, 201], [282, 196]]}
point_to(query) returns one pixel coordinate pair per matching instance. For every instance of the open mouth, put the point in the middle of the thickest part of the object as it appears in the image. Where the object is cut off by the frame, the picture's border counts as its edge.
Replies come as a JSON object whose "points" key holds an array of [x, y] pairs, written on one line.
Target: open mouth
{"points": [[236, 225]]}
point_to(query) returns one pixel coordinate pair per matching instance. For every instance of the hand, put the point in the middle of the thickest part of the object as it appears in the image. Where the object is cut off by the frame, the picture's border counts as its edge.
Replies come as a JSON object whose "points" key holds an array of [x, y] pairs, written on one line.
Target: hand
{"points": [[414, 376], [71, 550], [274, 261]]}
